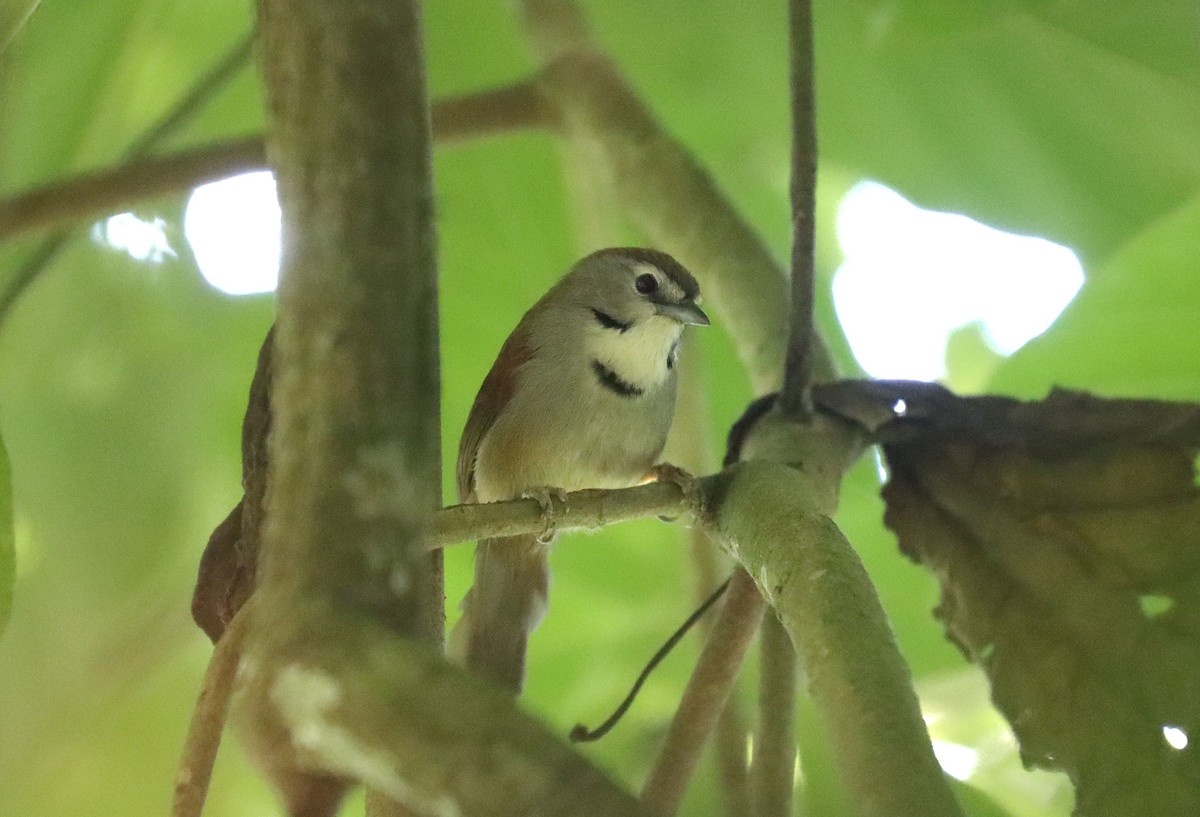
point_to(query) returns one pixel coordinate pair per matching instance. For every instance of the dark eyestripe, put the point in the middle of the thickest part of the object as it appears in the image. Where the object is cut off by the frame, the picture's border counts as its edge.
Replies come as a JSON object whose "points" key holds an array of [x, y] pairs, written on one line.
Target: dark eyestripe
{"points": [[609, 380], [609, 322]]}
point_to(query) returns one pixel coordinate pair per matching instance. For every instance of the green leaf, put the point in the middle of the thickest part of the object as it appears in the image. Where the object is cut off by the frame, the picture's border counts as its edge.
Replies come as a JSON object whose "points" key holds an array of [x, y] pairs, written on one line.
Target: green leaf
{"points": [[8, 556]]}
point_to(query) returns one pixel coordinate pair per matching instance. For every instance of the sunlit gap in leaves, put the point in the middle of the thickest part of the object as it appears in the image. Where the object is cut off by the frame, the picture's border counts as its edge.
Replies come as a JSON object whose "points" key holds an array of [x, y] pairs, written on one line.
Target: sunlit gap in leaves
{"points": [[911, 277], [972, 741], [1175, 737], [142, 240], [956, 760], [233, 229]]}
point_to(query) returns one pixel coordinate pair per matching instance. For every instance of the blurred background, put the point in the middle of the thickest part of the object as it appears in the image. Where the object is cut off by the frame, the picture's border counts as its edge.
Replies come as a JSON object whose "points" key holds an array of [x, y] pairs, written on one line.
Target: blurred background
{"points": [[1009, 200]]}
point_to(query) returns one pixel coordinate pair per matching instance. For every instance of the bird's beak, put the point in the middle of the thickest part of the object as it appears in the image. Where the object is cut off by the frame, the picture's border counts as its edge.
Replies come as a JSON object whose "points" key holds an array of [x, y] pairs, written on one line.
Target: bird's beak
{"points": [[685, 313]]}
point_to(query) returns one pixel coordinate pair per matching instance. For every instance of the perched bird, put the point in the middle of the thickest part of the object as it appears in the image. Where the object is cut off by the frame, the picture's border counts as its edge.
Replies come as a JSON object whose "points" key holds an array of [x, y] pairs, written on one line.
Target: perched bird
{"points": [[580, 396]]}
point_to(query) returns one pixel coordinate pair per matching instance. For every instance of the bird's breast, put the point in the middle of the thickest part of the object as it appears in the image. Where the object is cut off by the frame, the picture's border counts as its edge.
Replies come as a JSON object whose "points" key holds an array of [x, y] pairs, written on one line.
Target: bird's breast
{"points": [[572, 433]]}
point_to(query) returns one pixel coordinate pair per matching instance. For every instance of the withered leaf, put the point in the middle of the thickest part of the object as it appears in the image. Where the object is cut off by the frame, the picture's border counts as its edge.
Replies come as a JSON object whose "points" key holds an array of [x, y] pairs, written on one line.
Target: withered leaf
{"points": [[228, 566], [1065, 535]]}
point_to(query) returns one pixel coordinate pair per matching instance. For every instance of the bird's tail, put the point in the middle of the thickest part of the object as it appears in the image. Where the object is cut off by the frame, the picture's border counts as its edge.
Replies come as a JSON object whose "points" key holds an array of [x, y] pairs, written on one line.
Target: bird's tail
{"points": [[507, 603]]}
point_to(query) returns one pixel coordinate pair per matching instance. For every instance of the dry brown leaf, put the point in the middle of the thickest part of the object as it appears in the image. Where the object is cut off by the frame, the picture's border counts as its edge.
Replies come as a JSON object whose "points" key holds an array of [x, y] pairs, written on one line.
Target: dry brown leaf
{"points": [[1066, 538], [229, 563]]}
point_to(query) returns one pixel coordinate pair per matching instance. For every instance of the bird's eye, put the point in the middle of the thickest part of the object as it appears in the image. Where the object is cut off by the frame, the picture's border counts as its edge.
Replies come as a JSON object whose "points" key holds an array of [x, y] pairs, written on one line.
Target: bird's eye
{"points": [[646, 283]]}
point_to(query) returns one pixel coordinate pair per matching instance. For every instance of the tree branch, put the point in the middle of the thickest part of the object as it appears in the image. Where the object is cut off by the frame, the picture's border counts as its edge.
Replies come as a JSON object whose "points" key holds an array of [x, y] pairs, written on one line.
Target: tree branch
{"points": [[589, 509], [493, 111], [704, 699], [355, 410], [354, 446], [120, 188], [773, 770], [395, 715], [794, 397], [690, 446], [480, 114], [581, 509], [208, 720], [860, 684]]}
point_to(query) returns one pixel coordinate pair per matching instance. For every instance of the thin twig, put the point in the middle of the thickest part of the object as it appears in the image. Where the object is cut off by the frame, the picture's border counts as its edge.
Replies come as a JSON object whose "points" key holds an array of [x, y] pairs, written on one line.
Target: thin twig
{"points": [[581, 734], [793, 397], [775, 743], [493, 111], [589, 509], [208, 720], [196, 97], [705, 696]]}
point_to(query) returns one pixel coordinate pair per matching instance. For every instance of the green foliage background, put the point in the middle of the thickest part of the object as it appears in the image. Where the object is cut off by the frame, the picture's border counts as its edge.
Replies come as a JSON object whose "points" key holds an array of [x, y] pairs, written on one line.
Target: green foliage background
{"points": [[122, 384]]}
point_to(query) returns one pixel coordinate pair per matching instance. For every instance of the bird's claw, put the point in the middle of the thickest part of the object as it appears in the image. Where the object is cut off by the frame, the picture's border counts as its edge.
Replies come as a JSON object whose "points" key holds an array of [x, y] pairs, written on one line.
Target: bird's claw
{"points": [[545, 496], [667, 472]]}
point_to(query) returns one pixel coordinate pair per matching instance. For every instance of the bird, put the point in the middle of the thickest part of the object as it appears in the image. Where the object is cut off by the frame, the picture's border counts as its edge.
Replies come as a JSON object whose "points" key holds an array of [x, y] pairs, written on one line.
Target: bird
{"points": [[581, 395]]}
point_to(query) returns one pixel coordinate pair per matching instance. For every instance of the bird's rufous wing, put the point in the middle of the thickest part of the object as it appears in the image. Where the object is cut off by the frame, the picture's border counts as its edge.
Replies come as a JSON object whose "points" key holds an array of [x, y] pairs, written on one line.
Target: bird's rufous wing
{"points": [[494, 394]]}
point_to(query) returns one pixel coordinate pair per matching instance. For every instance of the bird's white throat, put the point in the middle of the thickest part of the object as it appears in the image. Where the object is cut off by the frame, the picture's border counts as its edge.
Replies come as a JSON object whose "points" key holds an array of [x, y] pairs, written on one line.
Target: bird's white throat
{"points": [[639, 354]]}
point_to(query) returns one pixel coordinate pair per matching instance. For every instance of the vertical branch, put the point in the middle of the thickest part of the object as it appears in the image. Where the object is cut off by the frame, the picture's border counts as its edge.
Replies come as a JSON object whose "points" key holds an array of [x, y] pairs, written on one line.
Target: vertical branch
{"points": [[794, 397], [775, 741], [356, 429], [705, 697], [775, 749], [689, 446], [355, 441]]}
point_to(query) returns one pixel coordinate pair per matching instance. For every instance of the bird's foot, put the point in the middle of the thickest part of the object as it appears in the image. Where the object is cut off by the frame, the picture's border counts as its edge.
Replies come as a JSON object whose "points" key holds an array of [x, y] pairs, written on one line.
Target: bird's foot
{"points": [[666, 472], [545, 496]]}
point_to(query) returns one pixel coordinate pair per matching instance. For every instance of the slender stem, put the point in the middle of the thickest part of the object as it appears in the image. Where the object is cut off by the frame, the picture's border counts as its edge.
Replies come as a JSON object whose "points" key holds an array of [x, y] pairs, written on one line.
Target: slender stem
{"points": [[731, 745], [775, 743], [588, 509], [208, 720], [690, 446], [793, 397], [705, 696]]}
